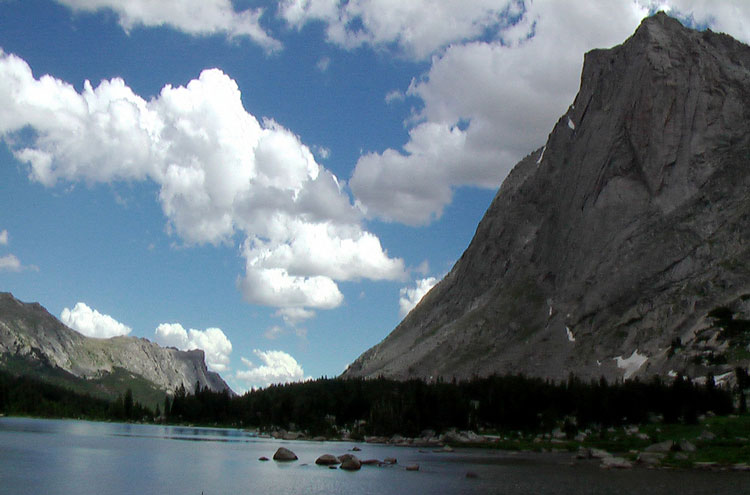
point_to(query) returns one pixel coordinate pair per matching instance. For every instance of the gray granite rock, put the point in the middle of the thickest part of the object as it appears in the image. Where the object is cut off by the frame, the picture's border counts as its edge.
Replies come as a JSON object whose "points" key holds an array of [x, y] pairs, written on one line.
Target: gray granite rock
{"points": [[284, 454], [28, 331], [614, 239]]}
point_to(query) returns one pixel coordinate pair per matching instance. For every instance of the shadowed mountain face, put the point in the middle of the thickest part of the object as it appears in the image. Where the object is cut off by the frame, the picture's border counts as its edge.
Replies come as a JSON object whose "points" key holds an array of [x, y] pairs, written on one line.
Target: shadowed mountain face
{"points": [[32, 336], [604, 251]]}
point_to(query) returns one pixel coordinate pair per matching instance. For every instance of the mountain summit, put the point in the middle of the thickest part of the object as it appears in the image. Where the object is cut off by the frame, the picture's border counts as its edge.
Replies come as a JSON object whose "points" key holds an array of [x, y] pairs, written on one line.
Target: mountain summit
{"points": [[620, 248], [32, 341]]}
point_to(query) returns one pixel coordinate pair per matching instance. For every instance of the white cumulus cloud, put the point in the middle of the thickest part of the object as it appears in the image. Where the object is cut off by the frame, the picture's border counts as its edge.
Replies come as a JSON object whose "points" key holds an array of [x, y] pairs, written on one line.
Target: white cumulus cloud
{"points": [[212, 341], [276, 367], [487, 101], [728, 16], [293, 316], [92, 323], [410, 296], [417, 27], [10, 263], [485, 105], [220, 173], [195, 17], [3, 237]]}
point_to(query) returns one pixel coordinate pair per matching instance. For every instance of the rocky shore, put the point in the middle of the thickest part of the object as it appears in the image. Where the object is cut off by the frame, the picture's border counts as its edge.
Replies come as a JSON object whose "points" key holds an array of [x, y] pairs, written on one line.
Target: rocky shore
{"points": [[715, 443]]}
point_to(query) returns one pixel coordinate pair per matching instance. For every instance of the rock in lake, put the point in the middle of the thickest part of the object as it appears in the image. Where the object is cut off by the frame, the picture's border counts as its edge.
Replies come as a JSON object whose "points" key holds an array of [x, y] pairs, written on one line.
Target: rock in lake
{"points": [[687, 446], [412, 467], [616, 462], [327, 460], [350, 462], [651, 458], [263, 458], [599, 454], [292, 435], [665, 446], [284, 454], [706, 436]]}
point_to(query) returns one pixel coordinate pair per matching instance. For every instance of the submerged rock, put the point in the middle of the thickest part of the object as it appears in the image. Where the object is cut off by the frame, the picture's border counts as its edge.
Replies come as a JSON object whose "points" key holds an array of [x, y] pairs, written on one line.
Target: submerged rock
{"points": [[599, 454], [650, 458], [706, 436], [686, 446], [293, 435], [327, 460], [616, 463], [665, 446]]}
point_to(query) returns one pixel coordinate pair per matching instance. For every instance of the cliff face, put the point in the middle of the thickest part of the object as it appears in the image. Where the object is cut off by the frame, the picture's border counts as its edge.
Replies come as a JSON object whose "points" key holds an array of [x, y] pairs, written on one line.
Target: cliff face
{"points": [[604, 251], [28, 331]]}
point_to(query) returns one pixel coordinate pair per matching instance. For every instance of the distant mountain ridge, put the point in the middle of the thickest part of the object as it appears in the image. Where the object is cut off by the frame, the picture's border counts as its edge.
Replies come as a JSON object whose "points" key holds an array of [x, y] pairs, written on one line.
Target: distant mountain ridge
{"points": [[30, 334], [622, 247]]}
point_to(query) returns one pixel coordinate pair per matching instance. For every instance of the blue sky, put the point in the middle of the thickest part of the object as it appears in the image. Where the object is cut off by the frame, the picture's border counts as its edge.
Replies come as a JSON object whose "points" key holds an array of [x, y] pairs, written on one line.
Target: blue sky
{"points": [[274, 182]]}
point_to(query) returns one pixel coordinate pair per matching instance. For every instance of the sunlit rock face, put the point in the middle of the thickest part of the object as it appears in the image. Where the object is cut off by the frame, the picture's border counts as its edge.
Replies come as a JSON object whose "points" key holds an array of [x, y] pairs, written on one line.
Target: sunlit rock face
{"points": [[29, 332], [604, 251]]}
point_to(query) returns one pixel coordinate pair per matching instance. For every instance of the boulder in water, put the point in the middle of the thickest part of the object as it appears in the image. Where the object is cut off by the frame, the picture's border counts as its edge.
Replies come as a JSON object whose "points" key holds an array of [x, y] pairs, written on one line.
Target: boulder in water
{"points": [[284, 454], [327, 460]]}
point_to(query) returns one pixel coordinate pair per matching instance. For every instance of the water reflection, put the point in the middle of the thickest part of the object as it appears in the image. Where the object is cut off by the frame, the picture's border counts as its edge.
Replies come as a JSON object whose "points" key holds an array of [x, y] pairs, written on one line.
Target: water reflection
{"points": [[188, 433], [62, 457]]}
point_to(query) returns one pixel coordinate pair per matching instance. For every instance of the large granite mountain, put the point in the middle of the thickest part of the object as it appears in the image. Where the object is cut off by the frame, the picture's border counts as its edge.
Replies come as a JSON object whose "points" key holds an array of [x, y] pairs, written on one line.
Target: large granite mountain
{"points": [[32, 340], [622, 247]]}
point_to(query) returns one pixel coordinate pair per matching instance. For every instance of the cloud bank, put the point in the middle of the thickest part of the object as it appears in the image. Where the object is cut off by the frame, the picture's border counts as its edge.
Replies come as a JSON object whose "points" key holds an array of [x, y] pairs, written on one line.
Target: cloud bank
{"points": [[220, 171], [194, 17], [417, 27], [212, 341], [502, 72], [92, 323], [484, 104]]}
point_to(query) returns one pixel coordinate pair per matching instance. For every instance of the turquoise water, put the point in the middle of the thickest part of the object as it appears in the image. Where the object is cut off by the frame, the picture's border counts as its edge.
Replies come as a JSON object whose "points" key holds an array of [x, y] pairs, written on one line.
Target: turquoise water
{"points": [[80, 457]]}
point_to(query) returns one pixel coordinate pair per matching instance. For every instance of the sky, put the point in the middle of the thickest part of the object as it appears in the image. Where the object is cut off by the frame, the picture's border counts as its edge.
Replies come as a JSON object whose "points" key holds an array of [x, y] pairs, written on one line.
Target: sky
{"points": [[276, 183]]}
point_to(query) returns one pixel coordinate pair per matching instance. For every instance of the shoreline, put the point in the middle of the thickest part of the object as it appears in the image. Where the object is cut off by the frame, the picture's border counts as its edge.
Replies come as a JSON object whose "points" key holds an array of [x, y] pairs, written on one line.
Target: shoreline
{"points": [[715, 444]]}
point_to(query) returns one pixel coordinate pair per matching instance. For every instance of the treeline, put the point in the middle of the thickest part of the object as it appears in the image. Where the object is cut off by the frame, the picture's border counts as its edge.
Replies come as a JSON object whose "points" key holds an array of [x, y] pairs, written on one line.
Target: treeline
{"points": [[28, 396], [386, 407], [22, 395]]}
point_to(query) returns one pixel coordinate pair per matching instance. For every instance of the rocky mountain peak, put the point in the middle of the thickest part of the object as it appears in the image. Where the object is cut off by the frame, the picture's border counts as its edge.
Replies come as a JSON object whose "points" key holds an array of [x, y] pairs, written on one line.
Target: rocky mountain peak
{"points": [[30, 333], [605, 250]]}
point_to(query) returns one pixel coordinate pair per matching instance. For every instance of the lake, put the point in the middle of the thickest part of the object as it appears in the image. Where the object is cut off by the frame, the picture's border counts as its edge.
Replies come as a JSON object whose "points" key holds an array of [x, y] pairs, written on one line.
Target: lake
{"points": [[80, 457]]}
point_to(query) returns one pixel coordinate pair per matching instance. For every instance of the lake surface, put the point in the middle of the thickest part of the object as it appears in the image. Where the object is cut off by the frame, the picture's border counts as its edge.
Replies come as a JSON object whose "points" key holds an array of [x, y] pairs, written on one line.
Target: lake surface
{"points": [[80, 457]]}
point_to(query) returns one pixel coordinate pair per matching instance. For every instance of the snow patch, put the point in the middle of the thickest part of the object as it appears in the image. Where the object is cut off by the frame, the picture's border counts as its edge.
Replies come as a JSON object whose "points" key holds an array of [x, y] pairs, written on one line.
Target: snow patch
{"points": [[722, 379], [571, 337], [571, 124], [631, 364], [541, 156]]}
